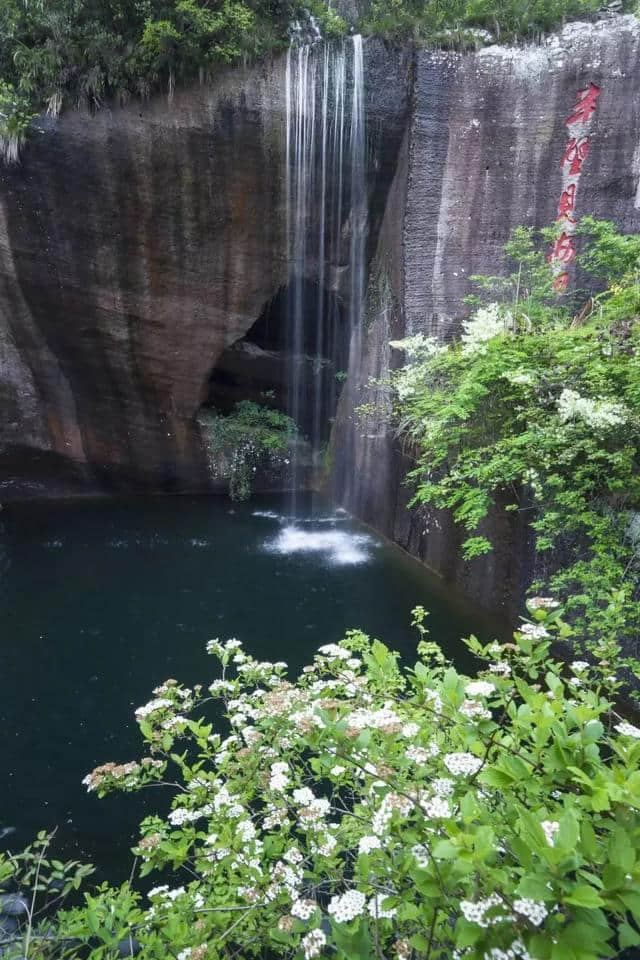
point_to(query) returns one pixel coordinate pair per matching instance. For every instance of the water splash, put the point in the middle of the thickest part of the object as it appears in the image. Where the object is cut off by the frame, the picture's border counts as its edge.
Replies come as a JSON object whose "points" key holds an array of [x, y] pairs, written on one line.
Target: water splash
{"points": [[336, 547]]}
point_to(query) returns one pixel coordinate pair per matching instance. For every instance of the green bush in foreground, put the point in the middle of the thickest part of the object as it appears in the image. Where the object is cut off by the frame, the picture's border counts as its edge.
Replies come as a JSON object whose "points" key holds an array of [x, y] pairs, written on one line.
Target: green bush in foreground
{"points": [[371, 811]]}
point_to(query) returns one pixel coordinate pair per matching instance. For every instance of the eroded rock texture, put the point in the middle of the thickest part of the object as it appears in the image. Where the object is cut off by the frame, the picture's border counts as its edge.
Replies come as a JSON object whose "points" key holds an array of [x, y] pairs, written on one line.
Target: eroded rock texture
{"points": [[135, 246], [483, 154]]}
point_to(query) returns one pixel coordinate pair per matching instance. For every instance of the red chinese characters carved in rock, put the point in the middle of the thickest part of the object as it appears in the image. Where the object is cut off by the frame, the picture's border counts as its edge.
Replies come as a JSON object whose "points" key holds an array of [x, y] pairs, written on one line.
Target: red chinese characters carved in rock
{"points": [[567, 203], [585, 105], [561, 282], [576, 153], [563, 249]]}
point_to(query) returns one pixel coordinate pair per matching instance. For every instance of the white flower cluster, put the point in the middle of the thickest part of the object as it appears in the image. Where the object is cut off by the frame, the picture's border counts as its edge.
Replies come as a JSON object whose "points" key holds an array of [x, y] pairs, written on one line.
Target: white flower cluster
{"points": [[599, 414], [628, 730], [437, 808], [153, 707], [418, 346], [501, 668], [334, 652], [462, 764], [410, 730], [474, 710], [279, 779], [517, 951], [367, 844], [484, 325], [550, 828], [522, 378], [219, 649], [220, 687], [377, 911], [535, 631], [347, 906], [542, 603], [420, 854], [384, 718], [312, 943], [477, 912], [579, 665], [382, 817], [479, 688], [419, 755], [533, 910], [303, 909]]}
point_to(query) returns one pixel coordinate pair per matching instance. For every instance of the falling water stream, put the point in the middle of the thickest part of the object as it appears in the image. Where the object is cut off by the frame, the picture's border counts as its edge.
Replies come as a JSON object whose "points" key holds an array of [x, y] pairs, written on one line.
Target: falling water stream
{"points": [[325, 199]]}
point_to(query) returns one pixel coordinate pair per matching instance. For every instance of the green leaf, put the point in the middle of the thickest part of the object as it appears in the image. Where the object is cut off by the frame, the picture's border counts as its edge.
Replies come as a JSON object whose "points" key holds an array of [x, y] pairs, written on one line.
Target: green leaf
{"points": [[585, 896]]}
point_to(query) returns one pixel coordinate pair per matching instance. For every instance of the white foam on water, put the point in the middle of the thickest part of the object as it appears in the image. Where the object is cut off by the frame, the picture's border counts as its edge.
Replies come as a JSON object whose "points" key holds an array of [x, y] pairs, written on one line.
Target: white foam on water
{"points": [[336, 546], [266, 514], [197, 542]]}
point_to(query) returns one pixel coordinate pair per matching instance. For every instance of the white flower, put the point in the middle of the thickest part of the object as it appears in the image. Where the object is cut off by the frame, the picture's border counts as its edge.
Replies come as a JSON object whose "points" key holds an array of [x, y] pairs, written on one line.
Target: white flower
{"points": [[337, 770], [474, 710], [542, 603], [535, 631], [550, 828], [628, 730], [153, 707], [303, 909], [334, 652], [462, 764], [313, 943], [367, 844], [304, 796], [348, 906], [479, 688], [436, 808], [501, 668], [600, 414], [483, 326], [442, 786], [376, 909], [279, 779], [410, 730], [475, 912], [420, 855], [532, 909], [221, 686], [417, 754], [579, 665], [292, 856]]}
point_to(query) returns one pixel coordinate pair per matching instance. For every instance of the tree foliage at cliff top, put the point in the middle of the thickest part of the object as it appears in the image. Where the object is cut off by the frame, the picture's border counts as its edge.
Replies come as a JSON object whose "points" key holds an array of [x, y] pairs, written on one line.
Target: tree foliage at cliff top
{"points": [[456, 23], [84, 51], [536, 409]]}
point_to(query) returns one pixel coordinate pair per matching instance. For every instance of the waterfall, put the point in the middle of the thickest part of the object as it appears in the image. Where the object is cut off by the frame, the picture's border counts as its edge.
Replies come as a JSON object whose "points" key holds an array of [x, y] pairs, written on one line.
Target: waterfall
{"points": [[325, 198]]}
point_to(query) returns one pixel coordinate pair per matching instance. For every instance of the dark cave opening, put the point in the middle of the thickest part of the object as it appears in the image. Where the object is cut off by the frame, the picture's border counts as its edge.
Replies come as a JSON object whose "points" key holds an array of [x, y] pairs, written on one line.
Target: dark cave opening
{"points": [[260, 366]]}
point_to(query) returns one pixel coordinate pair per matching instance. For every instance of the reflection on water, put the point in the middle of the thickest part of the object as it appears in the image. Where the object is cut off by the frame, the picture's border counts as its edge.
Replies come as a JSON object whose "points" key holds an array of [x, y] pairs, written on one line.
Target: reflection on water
{"points": [[101, 601]]}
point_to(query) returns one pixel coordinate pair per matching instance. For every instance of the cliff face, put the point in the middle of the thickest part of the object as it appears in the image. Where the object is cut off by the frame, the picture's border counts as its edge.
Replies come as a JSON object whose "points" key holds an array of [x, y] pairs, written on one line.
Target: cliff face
{"points": [[137, 245], [483, 154]]}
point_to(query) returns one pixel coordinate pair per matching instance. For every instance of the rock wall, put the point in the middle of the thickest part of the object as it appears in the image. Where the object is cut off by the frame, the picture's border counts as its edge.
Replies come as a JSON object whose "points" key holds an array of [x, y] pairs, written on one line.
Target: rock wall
{"points": [[136, 245], [483, 154]]}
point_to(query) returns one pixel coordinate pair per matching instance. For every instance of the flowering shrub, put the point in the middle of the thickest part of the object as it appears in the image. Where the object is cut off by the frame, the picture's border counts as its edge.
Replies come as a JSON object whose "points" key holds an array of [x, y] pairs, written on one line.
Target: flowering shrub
{"points": [[537, 410], [368, 810]]}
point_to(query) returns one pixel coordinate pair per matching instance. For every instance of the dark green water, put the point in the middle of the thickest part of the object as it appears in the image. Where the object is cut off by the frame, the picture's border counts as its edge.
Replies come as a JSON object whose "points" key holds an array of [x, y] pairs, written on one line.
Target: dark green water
{"points": [[101, 601]]}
